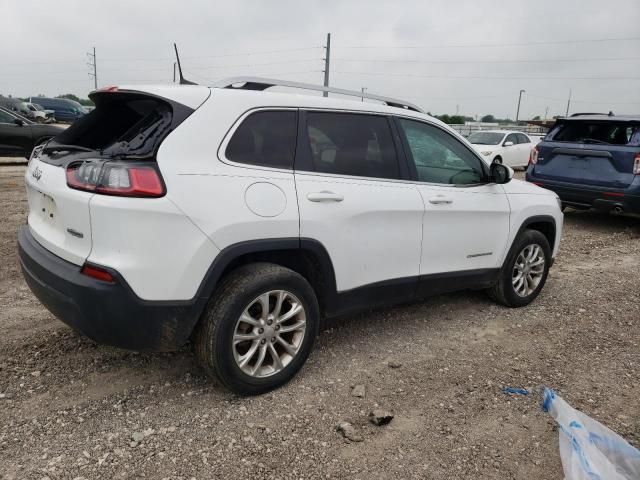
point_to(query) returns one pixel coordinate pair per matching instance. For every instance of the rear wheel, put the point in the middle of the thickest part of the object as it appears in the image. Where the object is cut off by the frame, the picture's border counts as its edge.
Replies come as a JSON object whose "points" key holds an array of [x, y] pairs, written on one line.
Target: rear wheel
{"points": [[258, 328], [525, 270]]}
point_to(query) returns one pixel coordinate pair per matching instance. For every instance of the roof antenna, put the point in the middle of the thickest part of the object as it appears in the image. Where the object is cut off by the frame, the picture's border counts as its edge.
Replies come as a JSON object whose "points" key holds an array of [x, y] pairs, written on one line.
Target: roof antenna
{"points": [[183, 81]]}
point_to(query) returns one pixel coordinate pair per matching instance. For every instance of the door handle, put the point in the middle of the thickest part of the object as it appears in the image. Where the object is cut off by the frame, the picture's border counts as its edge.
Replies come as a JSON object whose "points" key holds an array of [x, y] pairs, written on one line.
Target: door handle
{"points": [[440, 200], [324, 196]]}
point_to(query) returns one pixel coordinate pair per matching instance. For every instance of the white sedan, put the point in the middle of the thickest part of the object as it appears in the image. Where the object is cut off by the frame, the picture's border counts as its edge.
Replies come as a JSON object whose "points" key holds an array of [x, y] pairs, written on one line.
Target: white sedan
{"points": [[503, 146]]}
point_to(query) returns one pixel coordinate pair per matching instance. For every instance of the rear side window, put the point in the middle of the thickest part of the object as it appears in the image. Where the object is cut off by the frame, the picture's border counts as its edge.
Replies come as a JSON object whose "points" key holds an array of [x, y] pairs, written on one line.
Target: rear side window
{"points": [[266, 138], [608, 133], [352, 144], [512, 138]]}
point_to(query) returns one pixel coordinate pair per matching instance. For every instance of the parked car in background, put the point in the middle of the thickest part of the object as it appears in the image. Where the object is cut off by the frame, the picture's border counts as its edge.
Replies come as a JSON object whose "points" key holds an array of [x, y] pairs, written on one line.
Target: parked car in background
{"points": [[39, 114], [503, 146], [19, 135], [65, 110], [284, 208], [591, 161]]}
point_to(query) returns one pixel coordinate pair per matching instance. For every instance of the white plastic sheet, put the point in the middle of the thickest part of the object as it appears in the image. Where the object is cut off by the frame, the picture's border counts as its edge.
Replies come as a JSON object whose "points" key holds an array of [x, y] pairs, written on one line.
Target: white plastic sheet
{"points": [[588, 449]]}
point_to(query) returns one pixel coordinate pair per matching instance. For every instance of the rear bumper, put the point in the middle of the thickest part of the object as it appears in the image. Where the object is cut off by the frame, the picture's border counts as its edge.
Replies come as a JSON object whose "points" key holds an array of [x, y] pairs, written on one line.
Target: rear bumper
{"points": [[581, 196], [108, 313]]}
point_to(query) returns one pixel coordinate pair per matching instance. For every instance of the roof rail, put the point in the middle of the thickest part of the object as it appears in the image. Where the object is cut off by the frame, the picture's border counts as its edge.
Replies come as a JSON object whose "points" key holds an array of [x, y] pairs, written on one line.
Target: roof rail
{"points": [[579, 114], [259, 83]]}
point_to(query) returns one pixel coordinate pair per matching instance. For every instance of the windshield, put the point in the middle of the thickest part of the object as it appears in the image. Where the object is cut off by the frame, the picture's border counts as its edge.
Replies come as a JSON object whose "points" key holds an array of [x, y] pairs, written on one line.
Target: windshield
{"points": [[608, 133], [486, 138]]}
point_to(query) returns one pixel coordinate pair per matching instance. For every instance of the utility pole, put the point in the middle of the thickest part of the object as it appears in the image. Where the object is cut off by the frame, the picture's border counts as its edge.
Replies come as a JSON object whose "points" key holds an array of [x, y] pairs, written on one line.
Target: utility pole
{"points": [[457, 109], [568, 103], [174, 72], [518, 110], [546, 113], [92, 64], [363, 89], [326, 64]]}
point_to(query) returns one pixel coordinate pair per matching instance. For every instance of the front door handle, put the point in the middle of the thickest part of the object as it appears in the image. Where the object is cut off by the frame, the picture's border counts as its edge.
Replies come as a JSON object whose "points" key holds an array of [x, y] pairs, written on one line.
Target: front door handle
{"points": [[440, 200], [324, 197]]}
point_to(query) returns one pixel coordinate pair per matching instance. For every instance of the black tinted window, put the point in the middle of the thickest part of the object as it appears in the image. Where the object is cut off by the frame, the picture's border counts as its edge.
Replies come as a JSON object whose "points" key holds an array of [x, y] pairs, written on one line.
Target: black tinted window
{"points": [[265, 138], [439, 157], [522, 138], [6, 118], [615, 133], [352, 144]]}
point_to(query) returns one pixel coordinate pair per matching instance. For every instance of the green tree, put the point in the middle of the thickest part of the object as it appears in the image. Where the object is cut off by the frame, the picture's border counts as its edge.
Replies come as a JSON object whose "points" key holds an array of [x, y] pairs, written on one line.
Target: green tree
{"points": [[81, 101], [456, 120], [537, 117], [488, 119]]}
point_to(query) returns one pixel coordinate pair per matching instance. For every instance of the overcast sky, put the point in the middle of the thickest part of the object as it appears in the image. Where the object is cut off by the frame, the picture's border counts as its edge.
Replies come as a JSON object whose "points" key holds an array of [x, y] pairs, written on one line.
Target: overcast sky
{"points": [[465, 55]]}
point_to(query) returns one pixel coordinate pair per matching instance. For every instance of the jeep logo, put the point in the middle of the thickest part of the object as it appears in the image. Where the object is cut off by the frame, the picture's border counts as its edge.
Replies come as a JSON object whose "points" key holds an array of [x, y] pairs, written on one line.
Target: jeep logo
{"points": [[36, 173]]}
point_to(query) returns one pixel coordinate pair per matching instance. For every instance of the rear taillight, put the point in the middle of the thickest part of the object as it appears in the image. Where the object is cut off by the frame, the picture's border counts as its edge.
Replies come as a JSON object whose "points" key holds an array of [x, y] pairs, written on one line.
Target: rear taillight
{"points": [[533, 156], [636, 165], [97, 273], [116, 178]]}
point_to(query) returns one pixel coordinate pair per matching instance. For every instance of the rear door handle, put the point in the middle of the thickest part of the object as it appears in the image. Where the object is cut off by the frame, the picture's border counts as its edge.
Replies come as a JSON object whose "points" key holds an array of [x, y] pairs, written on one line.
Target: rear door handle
{"points": [[440, 200], [324, 197]]}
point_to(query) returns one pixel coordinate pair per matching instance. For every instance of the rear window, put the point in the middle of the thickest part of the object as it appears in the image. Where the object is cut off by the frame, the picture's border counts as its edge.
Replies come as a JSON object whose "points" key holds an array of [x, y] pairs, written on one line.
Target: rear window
{"points": [[125, 124], [608, 133]]}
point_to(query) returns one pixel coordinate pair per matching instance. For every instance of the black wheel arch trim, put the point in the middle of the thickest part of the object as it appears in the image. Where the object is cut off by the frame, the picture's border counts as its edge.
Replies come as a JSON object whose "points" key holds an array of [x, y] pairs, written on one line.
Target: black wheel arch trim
{"points": [[547, 219]]}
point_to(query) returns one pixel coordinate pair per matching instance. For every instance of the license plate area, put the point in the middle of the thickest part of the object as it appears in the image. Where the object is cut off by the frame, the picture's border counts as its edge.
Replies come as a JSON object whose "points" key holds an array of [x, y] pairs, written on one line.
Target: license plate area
{"points": [[47, 208]]}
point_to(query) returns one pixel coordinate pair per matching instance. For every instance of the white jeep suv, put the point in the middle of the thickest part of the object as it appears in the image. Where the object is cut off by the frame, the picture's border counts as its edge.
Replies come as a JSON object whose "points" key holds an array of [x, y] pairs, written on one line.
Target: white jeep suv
{"points": [[238, 218]]}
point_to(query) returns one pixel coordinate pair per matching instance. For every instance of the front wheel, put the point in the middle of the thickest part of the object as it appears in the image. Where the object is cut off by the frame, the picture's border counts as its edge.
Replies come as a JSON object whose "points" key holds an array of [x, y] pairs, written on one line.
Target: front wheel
{"points": [[525, 270], [258, 329]]}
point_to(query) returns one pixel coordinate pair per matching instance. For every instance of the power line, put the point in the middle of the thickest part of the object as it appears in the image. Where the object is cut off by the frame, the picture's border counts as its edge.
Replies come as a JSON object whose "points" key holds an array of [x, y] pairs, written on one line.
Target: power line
{"points": [[486, 45], [169, 58], [601, 102], [479, 77], [564, 60]]}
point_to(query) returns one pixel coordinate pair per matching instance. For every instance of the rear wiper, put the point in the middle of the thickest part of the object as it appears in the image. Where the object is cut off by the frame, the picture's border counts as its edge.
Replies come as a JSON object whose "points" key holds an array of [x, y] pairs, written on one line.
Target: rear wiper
{"points": [[594, 140]]}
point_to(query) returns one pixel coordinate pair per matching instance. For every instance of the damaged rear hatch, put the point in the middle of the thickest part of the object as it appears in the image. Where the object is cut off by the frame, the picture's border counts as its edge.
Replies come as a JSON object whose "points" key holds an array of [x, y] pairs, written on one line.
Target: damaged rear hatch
{"points": [[110, 151]]}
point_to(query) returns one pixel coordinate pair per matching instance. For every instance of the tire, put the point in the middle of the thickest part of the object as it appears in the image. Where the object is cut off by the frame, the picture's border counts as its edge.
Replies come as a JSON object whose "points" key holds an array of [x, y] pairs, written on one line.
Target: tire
{"points": [[504, 291], [239, 294], [498, 160]]}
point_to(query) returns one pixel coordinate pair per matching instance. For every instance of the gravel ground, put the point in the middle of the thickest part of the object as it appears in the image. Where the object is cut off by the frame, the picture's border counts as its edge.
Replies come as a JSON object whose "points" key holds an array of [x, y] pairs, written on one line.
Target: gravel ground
{"points": [[72, 409]]}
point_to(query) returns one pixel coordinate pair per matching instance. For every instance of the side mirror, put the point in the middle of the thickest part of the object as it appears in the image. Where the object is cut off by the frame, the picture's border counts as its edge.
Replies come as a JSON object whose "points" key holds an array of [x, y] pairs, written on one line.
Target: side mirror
{"points": [[507, 144], [500, 173], [19, 122]]}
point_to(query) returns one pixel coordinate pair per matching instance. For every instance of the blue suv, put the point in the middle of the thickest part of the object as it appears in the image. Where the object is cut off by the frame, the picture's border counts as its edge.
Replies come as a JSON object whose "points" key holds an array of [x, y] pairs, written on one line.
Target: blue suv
{"points": [[591, 161]]}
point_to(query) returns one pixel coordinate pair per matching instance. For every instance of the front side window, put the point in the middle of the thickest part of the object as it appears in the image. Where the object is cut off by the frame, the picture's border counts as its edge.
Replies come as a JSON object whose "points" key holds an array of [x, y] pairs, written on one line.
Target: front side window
{"points": [[6, 118], [265, 138], [522, 138], [439, 157], [352, 144]]}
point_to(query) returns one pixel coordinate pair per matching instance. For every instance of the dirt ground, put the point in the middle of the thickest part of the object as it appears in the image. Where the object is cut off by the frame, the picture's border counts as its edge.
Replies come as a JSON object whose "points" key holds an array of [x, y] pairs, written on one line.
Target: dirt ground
{"points": [[70, 408]]}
